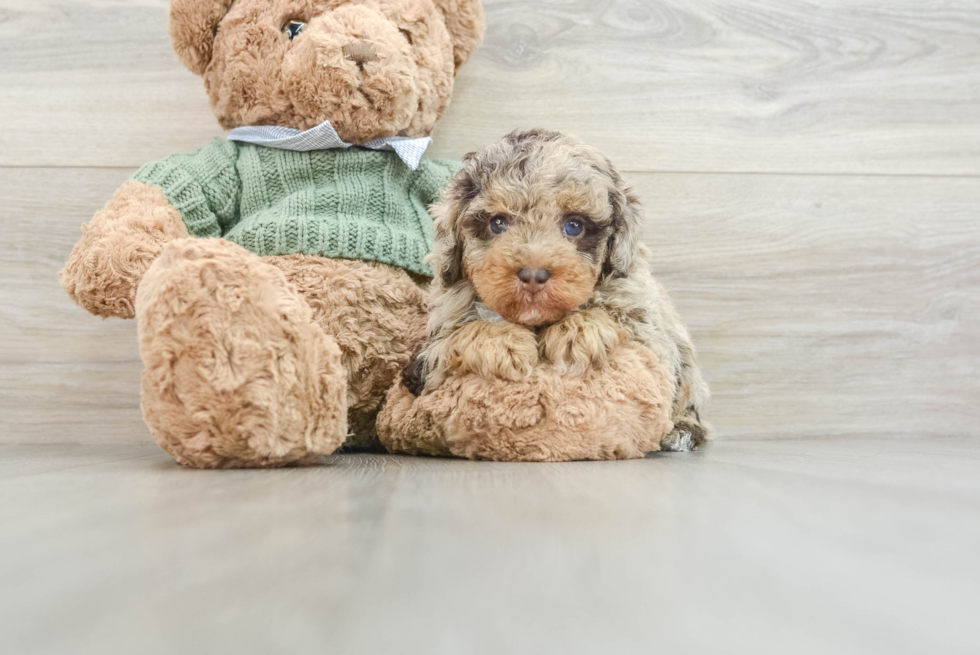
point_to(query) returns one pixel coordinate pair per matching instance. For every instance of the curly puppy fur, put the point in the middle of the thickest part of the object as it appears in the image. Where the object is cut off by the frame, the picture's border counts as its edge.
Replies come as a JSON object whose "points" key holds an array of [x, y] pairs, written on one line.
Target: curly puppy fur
{"points": [[374, 68], [536, 202]]}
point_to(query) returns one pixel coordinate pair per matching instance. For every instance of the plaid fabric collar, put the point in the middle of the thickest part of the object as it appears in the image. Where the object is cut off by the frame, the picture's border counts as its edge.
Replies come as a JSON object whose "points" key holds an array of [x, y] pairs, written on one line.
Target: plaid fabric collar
{"points": [[324, 137]]}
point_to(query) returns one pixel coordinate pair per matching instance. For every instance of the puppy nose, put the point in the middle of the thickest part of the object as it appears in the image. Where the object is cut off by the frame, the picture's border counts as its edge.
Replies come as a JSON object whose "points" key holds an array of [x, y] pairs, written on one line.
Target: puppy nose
{"points": [[360, 52], [534, 278]]}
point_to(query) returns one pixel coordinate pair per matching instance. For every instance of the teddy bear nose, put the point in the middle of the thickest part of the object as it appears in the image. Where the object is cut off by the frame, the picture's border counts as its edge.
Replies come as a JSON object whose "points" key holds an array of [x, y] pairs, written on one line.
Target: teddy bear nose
{"points": [[360, 52], [534, 278]]}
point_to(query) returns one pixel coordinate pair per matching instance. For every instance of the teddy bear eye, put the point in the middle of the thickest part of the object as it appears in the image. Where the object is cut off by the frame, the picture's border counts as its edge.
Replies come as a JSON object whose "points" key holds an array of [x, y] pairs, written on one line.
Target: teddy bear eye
{"points": [[292, 28], [408, 36], [499, 225]]}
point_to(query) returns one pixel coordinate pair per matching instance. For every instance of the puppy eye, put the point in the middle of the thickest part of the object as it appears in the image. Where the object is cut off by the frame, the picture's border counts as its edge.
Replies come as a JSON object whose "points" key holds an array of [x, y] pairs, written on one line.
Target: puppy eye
{"points": [[574, 228], [499, 225], [408, 36], [292, 28]]}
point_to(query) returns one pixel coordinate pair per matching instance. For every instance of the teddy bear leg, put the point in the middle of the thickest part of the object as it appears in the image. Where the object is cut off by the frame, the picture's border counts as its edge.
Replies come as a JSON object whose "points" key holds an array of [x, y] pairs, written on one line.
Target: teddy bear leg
{"points": [[377, 316], [237, 373]]}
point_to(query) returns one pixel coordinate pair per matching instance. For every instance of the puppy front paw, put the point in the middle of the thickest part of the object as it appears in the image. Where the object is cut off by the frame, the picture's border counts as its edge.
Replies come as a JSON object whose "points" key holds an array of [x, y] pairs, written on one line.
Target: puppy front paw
{"points": [[580, 340], [689, 433], [494, 350]]}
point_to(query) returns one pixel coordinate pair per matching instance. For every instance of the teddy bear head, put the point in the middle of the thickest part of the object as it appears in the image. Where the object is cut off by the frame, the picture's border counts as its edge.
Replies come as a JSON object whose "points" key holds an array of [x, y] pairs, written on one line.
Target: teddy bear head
{"points": [[373, 68]]}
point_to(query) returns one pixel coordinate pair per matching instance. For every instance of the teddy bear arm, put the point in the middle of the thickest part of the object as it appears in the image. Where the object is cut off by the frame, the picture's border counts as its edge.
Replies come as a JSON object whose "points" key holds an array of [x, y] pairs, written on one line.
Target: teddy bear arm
{"points": [[205, 186], [618, 411], [183, 195], [117, 247]]}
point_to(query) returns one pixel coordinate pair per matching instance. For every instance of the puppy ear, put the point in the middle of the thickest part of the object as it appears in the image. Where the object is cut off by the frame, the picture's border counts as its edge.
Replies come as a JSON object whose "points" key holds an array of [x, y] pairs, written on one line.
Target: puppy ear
{"points": [[193, 24], [447, 259], [466, 25], [627, 221]]}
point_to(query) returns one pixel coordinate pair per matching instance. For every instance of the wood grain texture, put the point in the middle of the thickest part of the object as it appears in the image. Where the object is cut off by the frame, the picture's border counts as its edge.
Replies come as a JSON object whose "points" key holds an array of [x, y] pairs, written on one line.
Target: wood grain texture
{"points": [[852, 546], [822, 305], [65, 376], [844, 86], [831, 295], [826, 305]]}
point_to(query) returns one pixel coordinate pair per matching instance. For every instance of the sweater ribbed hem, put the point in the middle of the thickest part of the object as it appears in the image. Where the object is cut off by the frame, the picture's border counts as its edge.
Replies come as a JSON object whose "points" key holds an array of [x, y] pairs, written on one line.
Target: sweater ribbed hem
{"points": [[337, 240], [343, 204]]}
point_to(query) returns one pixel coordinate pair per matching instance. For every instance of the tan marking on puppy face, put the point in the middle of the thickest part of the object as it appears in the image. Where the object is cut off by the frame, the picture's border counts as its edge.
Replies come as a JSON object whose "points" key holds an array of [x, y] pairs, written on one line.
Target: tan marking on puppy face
{"points": [[536, 201], [494, 270]]}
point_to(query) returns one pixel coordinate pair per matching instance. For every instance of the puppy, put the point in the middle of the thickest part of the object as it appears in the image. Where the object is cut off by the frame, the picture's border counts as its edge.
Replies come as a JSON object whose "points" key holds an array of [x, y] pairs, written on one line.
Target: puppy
{"points": [[538, 258]]}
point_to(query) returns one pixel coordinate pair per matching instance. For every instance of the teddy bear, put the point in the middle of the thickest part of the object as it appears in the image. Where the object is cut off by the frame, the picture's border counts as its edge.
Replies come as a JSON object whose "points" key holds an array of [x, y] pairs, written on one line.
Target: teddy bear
{"points": [[278, 276]]}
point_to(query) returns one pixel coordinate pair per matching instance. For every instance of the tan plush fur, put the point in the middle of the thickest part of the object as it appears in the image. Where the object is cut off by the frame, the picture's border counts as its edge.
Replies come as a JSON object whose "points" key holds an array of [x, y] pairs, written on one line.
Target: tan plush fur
{"points": [[256, 75], [265, 362], [506, 214], [377, 316], [621, 411], [253, 362], [237, 374], [117, 247]]}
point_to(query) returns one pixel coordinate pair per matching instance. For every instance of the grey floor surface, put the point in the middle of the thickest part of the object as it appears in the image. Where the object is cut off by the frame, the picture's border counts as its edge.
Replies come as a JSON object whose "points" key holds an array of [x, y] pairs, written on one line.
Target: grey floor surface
{"points": [[808, 546], [810, 173]]}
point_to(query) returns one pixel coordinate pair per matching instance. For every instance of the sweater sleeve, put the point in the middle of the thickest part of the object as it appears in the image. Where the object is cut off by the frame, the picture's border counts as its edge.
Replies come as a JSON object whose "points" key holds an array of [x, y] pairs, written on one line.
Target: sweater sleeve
{"points": [[203, 186]]}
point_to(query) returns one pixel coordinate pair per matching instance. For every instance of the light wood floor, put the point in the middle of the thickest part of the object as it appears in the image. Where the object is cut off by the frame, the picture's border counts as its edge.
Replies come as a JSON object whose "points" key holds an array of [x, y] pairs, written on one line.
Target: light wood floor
{"points": [[811, 173], [832, 546]]}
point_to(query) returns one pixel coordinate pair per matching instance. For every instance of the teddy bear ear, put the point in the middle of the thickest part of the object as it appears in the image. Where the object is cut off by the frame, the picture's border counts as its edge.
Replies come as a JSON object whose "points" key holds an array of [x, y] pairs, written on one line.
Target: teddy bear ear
{"points": [[466, 25], [193, 24]]}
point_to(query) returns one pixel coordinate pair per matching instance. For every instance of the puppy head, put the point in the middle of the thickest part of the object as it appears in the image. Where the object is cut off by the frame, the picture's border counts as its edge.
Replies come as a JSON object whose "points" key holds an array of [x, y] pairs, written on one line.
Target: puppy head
{"points": [[534, 223]]}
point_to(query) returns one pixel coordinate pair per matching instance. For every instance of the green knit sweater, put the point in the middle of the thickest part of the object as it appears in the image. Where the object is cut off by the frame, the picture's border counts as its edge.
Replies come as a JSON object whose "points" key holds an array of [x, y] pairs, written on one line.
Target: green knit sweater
{"points": [[349, 204]]}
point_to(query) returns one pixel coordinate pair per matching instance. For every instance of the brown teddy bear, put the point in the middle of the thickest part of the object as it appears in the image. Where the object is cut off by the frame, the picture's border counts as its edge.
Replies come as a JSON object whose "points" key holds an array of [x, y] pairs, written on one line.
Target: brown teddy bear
{"points": [[274, 343]]}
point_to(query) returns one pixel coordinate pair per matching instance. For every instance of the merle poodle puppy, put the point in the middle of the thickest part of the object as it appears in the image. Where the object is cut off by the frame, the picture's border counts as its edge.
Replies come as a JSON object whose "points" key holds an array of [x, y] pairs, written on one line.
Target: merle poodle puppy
{"points": [[538, 258]]}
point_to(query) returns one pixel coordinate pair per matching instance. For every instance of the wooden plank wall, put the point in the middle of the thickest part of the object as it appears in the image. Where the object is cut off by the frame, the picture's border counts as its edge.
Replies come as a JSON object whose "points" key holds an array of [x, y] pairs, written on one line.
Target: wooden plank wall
{"points": [[811, 173]]}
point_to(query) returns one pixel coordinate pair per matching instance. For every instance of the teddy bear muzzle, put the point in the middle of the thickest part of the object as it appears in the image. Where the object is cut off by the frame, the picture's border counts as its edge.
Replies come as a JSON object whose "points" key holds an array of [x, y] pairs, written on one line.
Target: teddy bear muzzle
{"points": [[353, 67]]}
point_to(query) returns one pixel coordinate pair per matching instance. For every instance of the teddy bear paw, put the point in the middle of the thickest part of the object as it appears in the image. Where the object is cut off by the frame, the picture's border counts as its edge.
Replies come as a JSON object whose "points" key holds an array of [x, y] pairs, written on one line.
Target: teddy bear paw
{"points": [[237, 373]]}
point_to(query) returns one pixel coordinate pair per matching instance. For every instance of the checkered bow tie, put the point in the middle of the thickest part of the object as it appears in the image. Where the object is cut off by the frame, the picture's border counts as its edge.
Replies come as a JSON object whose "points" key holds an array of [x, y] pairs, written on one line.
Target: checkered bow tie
{"points": [[324, 137]]}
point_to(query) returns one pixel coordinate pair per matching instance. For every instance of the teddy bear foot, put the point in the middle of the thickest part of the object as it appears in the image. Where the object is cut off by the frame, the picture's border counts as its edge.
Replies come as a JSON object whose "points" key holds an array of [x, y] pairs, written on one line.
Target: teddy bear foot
{"points": [[237, 374], [618, 411]]}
